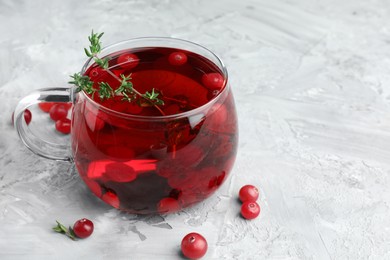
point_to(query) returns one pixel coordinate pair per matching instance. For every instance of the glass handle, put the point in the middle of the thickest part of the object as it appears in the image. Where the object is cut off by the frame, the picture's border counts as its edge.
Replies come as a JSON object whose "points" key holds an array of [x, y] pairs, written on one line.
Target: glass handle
{"points": [[49, 150]]}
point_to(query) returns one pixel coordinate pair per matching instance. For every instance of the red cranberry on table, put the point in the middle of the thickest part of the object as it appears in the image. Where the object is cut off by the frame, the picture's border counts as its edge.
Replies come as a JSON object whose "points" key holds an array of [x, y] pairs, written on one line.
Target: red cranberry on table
{"points": [[194, 246], [58, 111], [250, 210], [82, 228], [248, 193]]}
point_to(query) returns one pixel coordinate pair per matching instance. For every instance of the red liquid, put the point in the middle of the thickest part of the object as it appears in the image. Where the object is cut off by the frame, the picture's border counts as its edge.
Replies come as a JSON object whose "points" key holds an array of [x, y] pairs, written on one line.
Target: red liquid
{"points": [[160, 165]]}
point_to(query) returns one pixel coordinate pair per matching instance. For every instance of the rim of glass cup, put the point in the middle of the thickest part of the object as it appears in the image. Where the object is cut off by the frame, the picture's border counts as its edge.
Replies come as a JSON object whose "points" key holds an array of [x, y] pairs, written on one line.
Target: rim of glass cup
{"points": [[189, 113]]}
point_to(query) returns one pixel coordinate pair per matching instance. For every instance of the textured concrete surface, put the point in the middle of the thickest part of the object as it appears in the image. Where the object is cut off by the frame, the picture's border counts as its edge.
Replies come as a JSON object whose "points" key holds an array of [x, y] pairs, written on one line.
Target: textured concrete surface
{"points": [[312, 86]]}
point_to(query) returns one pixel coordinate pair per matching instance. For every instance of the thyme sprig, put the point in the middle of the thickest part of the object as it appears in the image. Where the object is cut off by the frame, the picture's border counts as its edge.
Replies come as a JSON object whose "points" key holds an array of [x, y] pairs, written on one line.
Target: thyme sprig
{"points": [[126, 88], [83, 83], [105, 91], [153, 97], [94, 50]]}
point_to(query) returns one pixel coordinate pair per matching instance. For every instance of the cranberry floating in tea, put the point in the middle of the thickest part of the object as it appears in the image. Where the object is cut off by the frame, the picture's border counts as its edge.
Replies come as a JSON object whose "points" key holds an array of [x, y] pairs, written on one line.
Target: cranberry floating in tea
{"points": [[154, 126]]}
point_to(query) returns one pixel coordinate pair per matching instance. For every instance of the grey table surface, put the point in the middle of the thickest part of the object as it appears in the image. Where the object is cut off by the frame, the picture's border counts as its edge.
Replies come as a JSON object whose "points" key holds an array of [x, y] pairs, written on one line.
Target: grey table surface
{"points": [[311, 81]]}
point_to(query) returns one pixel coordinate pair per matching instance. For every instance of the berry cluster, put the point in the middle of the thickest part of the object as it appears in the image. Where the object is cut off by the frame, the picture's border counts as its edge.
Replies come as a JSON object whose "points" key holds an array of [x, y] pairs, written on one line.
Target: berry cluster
{"points": [[193, 245], [58, 113], [248, 195]]}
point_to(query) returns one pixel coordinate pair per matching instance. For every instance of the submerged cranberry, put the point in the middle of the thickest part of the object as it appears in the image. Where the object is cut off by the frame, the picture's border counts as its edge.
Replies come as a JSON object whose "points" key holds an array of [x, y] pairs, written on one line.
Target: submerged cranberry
{"points": [[177, 58], [111, 198], [63, 125], [213, 81], [168, 205], [128, 61]]}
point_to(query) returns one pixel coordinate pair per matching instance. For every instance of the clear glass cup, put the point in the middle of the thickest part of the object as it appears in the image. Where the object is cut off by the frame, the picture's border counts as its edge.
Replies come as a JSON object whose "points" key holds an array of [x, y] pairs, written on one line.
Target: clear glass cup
{"points": [[144, 163]]}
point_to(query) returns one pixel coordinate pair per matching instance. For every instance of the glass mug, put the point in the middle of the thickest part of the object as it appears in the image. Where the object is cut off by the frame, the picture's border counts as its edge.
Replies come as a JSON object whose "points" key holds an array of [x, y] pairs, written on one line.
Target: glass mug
{"points": [[139, 161]]}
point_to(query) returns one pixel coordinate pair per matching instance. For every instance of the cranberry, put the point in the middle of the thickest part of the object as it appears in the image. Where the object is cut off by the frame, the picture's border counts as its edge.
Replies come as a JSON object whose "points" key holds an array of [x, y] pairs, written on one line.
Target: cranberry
{"points": [[63, 125], [111, 198], [248, 193], [45, 106], [83, 228], [190, 155], [194, 246], [27, 116], [119, 172], [128, 61], [97, 73], [58, 111], [177, 58], [213, 81], [216, 181], [168, 205], [94, 187], [120, 153], [250, 210]]}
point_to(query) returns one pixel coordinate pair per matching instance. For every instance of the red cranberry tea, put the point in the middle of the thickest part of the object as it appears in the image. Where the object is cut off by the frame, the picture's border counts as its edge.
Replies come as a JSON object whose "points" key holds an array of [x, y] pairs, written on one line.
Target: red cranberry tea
{"points": [[145, 157]]}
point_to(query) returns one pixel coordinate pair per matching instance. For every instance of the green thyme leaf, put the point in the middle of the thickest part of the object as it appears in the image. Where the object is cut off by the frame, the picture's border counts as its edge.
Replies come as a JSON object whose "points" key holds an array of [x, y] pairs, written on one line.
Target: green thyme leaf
{"points": [[57, 229], [126, 85], [83, 83], [153, 97], [87, 52], [103, 63], [105, 90], [62, 227]]}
